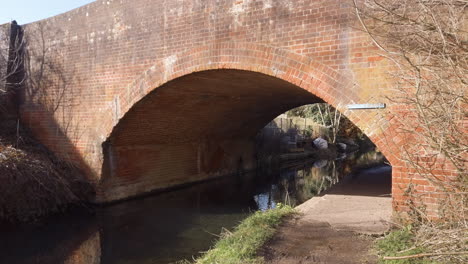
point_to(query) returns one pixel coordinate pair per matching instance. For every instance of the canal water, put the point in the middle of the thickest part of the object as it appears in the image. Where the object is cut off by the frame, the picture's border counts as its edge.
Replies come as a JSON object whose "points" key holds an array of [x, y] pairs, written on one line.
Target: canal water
{"points": [[172, 226]]}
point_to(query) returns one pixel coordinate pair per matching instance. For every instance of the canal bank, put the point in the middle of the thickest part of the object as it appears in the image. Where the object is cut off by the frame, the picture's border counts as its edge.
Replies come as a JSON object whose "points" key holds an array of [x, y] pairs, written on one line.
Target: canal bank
{"points": [[338, 227], [172, 226]]}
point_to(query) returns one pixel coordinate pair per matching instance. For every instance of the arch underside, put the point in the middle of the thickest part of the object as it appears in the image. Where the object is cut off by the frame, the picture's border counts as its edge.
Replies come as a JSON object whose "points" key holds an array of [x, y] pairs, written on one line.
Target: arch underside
{"points": [[195, 127]]}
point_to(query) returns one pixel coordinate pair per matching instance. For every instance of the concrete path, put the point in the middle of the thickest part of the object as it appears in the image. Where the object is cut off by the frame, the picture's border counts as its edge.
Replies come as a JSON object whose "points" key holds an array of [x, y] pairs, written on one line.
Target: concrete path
{"points": [[330, 226], [361, 203], [361, 214]]}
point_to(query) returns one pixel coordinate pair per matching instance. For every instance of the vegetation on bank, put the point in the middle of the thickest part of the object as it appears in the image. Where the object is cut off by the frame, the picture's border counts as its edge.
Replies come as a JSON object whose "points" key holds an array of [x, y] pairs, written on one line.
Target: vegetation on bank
{"points": [[340, 126], [241, 245], [426, 42], [399, 243], [34, 183], [417, 245]]}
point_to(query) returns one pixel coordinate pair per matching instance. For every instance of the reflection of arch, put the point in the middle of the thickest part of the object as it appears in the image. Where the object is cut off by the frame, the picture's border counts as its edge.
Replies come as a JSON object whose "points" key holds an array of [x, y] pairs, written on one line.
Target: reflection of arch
{"points": [[291, 69]]}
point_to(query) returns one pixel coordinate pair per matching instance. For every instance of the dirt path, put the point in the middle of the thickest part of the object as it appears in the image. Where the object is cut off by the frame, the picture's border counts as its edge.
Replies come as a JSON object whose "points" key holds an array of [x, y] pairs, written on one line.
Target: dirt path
{"points": [[335, 228], [299, 241]]}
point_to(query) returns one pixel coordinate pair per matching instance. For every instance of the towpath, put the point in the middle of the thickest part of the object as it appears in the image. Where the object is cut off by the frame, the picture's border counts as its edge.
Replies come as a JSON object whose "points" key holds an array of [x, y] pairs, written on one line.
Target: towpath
{"points": [[337, 227]]}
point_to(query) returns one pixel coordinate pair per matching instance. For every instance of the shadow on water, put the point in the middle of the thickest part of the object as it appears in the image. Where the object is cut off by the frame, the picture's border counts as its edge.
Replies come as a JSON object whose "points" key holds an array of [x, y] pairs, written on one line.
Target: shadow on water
{"points": [[61, 240], [177, 225], [172, 226]]}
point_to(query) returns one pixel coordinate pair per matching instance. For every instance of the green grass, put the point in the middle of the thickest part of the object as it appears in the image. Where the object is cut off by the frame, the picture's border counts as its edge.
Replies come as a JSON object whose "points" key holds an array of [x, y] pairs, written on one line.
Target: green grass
{"points": [[242, 244], [400, 243]]}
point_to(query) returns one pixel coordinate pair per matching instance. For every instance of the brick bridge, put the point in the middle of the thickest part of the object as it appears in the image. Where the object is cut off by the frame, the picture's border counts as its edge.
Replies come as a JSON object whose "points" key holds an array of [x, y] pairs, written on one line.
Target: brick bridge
{"points": [[148, 94]]}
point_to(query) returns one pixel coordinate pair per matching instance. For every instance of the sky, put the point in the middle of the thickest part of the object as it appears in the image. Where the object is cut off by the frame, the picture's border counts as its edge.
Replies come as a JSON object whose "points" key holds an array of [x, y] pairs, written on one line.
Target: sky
{"points": [[26, 11]]}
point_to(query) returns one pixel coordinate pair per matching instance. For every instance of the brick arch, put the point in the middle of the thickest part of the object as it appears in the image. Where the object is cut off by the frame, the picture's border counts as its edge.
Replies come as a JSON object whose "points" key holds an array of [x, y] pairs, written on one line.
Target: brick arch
{"points": [[302, 71], [318, 79]]}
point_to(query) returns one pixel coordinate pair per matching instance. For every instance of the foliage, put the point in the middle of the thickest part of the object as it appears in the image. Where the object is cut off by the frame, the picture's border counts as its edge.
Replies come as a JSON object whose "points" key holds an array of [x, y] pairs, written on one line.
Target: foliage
{"points": [[241, 245], [328, 116], [427, 43], [399, 243], [35, 183], [321, 113], [427, 40]]}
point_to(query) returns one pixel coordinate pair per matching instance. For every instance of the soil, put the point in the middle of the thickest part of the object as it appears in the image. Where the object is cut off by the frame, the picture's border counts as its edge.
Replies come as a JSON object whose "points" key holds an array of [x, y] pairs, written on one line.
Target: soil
{"points": [[299, 241]]}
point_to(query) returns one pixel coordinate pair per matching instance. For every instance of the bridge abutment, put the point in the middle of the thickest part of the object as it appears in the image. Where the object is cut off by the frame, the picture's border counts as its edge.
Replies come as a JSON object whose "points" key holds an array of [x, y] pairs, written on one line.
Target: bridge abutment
{"points": [[131, 171]]}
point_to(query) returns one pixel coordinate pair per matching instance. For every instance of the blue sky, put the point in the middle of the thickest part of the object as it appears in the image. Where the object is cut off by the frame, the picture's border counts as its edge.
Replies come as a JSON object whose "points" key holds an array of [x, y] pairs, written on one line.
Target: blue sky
{"points": [[26, 11]]}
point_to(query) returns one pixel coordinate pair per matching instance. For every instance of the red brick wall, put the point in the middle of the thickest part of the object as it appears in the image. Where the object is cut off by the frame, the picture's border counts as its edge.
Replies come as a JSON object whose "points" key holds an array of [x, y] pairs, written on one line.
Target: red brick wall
{"points": [[90, 68]]}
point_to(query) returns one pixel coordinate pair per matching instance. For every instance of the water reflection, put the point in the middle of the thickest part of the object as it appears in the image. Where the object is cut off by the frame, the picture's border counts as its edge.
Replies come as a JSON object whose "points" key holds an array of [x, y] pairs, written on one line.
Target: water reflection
{"points": [[70, 239], [176, 225], [298, 184]]}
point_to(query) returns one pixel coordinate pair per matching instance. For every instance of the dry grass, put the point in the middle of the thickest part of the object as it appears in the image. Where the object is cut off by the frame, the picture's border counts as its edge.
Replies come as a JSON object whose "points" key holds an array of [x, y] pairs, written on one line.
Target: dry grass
{"points": [[34, 182]]}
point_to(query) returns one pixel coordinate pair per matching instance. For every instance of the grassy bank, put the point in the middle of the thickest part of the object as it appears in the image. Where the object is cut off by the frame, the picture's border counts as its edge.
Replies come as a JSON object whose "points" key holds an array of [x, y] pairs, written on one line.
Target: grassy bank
{"points": [[241, 245]]}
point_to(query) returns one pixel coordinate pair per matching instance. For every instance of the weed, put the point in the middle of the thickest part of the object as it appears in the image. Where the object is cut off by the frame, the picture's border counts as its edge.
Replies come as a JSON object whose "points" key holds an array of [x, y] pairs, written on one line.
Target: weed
{"points": [[241, 245], [398, 243]]}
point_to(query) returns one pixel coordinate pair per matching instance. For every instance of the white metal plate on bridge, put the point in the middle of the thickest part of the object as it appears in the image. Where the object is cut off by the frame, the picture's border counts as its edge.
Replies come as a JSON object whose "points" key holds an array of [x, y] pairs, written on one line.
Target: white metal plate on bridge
{"points": [[366, 106]]}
